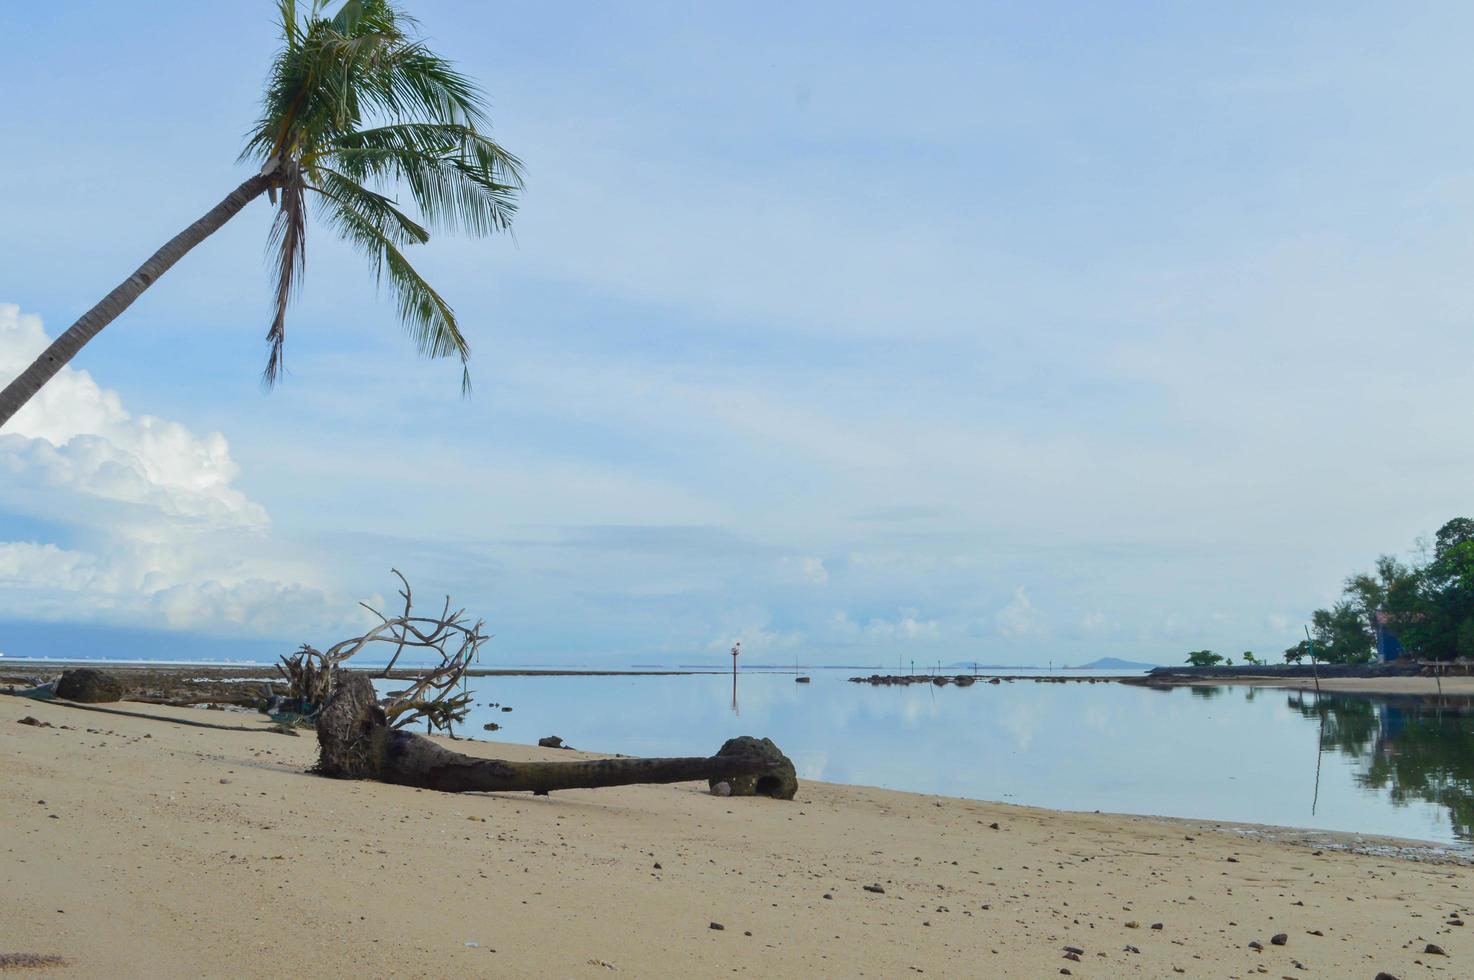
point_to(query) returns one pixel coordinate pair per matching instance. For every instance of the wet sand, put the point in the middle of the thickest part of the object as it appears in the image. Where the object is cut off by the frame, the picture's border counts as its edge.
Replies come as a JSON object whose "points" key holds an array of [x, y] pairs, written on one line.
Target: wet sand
{"points": [[1347, 685]]}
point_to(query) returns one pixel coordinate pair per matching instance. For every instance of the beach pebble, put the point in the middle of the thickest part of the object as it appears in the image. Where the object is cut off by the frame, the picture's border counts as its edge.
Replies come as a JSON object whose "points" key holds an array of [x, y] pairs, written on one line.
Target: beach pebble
{"points": [[1384, 975], [875, 888], [1434, 950], [716, 925], [1279, 938]]}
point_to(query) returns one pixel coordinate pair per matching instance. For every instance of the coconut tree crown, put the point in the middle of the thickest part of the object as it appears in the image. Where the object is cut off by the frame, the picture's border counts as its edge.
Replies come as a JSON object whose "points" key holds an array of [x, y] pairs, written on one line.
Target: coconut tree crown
{"points": [[356, 107]]}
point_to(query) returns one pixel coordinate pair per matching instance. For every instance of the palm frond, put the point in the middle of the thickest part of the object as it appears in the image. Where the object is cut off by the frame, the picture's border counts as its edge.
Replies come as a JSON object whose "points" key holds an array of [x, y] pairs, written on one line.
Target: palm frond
{"points": [[451, 192], [385, 214], [428, 317], [288, 239], [354, 107]]}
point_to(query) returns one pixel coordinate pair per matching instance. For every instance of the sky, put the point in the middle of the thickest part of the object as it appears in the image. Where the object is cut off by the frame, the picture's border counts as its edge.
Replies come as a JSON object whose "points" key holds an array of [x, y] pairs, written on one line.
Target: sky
{"points": [[1010, 333]]}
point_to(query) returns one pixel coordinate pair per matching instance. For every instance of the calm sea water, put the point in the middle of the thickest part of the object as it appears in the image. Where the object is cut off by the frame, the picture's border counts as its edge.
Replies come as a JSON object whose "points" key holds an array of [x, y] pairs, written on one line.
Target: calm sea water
{"points": [[1395, 766]]}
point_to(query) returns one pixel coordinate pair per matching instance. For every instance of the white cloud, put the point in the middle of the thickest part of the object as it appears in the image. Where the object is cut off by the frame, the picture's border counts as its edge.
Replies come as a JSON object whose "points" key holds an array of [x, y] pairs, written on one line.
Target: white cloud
{"points": [[1019, 617], [878, 630], [159, 535], [804, 569]]}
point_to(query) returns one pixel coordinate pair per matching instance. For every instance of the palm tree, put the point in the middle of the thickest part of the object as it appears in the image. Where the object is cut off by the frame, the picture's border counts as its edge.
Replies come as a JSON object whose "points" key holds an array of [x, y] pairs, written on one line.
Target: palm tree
{"points": [[353, 102]]}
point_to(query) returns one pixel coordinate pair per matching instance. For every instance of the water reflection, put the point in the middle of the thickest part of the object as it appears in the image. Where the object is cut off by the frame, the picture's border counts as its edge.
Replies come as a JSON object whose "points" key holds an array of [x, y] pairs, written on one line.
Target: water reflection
{"points": [[1413, 748], [1389, 766]]}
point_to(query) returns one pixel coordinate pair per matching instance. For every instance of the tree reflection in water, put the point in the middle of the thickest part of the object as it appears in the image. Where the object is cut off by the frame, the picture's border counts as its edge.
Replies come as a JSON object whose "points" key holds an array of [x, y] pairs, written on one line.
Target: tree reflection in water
{"points": [[1417, 748]]}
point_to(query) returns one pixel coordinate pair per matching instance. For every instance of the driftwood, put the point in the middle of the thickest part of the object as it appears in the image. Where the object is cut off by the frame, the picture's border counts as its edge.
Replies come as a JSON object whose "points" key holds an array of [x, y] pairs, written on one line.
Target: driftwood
{"points": [[357, 740], [432, 695]]}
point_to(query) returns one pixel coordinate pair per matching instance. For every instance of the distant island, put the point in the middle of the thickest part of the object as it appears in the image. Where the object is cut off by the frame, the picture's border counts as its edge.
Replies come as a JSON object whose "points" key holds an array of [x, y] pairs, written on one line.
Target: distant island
{"points": [[1114, 663]]}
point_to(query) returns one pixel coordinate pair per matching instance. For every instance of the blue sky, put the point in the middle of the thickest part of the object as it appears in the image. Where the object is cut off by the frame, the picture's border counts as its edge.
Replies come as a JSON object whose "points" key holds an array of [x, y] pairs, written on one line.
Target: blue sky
{"points": [[966, 331]]}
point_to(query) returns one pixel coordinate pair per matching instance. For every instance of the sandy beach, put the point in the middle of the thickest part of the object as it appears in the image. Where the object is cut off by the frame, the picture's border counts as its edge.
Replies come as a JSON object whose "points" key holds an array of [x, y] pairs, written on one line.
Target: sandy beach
{"points": [[144, 848], [1347, 685]]}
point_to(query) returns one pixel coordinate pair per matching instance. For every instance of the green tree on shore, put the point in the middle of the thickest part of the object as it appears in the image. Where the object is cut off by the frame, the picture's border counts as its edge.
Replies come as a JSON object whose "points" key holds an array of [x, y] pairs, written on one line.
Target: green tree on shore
{"points": [[1204, 658], [1429, 607], [355, 106]]}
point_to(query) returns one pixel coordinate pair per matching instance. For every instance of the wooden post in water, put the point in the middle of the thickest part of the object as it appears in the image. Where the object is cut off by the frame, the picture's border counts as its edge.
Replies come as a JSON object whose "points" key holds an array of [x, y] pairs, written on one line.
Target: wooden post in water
{"points": [[736, 649], [1314, 672]]}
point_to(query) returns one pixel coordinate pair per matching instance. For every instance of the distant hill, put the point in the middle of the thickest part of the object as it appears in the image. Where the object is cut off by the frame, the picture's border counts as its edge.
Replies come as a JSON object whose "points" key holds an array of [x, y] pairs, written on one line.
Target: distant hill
{"points": [[1114, 663]]}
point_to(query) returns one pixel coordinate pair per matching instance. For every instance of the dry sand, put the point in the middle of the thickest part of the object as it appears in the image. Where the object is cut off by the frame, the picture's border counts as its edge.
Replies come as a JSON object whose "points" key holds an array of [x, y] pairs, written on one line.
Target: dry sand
{"points": [[170, 851]]}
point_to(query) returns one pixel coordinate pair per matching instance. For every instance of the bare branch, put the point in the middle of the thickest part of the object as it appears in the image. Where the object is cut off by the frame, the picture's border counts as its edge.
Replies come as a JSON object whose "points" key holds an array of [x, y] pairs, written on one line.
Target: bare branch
{"points": [[457, 641]]}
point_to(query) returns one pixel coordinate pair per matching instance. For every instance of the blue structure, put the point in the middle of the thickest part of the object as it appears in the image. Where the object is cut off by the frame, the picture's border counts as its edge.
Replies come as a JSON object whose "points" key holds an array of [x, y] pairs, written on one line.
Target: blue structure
{"points": [[1389, 648]]}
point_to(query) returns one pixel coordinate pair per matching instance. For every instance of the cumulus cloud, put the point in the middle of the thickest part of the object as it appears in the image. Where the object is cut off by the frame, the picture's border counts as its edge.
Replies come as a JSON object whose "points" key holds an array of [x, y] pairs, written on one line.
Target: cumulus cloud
{"points": [[1019, 617], [159, 535], [907, 625]]}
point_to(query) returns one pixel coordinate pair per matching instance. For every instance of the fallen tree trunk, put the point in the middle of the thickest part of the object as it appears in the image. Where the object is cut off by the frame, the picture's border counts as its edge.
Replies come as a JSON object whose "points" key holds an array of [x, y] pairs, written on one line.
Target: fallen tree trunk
{"points": [[357, 742]]}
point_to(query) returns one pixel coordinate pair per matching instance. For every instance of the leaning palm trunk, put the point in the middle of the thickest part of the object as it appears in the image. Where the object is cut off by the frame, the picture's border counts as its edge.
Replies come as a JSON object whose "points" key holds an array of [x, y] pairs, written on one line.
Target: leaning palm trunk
{"points": [[65, 347], [356, 742]]}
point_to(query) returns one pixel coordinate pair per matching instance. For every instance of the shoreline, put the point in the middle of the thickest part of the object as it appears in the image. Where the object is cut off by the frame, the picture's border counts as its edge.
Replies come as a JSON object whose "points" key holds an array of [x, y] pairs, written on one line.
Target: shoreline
{"points": [[173, 850], [1388, 686]]}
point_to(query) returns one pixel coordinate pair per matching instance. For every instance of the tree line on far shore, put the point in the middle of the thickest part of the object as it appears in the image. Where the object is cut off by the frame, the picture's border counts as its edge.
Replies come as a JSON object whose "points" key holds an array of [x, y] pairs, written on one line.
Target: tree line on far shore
{"points": [[1428, 605]]}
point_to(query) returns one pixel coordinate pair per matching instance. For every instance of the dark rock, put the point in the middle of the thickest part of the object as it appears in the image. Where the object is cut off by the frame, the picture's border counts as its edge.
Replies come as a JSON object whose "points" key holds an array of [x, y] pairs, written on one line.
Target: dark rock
{"points": [[776, 779], [1434, 950], [657, 866], [491, 726], [33, 722], [506, 708], [875, 888], [1074, 957], [829, 896], [1279, 938], [1156, 925], [89, 686], [994, 680], [1384, 975], [1256, 944], [717, 926], [1075, 949], [550, 742]]}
